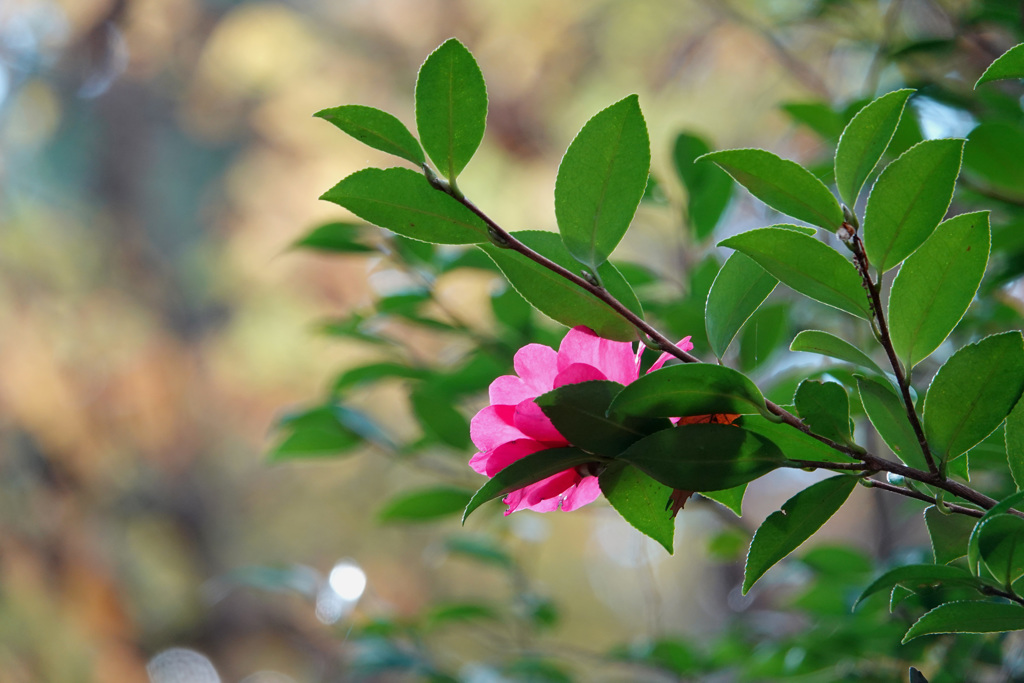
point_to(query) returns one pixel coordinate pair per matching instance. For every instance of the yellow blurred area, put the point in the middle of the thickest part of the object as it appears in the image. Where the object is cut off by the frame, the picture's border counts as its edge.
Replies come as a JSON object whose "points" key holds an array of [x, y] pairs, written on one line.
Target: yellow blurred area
{"points": [[154, 321]]}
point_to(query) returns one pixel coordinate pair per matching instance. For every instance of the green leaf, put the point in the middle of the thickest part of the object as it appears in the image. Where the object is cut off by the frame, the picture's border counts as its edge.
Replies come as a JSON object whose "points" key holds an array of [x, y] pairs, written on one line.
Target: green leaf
{"points": [[915, 576], [402, 201], [1010, 64], [973, 392], [483, 549], [973, 547], [785, 530], [810, 267], [578, 413], [526, 471], [704, 457], [460, 612], [708, 188], [556, 297], [335, 237], [817, 116], [425, 505], [816, 341], [864, 141], [948, 533], [375, 128], [366, 374], [740, 287], [763, 334], [730, 498], [825, 408], [994, 155], [686, 390], [1001, 547], [451, 107], [888, 415], [601, 180], [315, 433], [439, 418], [641, 501], [793, 443], [936, 285], [784, 185], [968, 616], [1015, 443], [908, 200]]}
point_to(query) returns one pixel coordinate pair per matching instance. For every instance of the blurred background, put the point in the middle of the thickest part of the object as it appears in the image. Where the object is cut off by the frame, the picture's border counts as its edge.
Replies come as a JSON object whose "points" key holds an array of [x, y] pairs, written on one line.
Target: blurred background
{"points": [[159, 158]]}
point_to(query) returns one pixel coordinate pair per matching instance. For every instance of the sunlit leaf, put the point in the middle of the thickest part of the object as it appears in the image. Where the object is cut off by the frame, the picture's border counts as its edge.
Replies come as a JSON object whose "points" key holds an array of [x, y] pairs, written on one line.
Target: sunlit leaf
{"points": [[601, 180], [642, 501], [451, 107], [864, 141], [800, 517], [1010, 64], [973, 546], [740, 287], [915, 576], [968, 616], [816, 341], [688, 389], [825, 408], [1001, 547], [1015, 443], [807, 265], [375, 128], [335, 237]]}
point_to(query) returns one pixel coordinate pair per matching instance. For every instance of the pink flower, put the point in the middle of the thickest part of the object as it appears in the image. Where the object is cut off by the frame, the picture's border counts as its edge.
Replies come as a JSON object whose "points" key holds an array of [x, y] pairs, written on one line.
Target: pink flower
{"points": [[513, 426]]}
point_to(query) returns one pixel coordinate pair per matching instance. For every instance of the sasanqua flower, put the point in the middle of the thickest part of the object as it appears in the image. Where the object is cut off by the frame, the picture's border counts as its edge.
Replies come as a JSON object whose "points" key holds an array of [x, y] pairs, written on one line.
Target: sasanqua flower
{"points": [[513, 426]]}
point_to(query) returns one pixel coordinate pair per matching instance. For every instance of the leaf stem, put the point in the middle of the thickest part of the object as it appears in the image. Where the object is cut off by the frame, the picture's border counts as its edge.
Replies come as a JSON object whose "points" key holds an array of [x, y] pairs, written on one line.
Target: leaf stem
{"points": [[860, 258]]}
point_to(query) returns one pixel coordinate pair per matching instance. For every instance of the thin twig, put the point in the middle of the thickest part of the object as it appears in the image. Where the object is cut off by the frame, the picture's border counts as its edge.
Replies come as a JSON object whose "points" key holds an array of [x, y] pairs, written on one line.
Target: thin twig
{"points": [[910, 493]]}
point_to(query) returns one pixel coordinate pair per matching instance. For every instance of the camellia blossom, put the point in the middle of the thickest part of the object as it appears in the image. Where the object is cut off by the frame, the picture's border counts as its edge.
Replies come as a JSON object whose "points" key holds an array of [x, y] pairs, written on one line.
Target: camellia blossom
{"points": [[513, 425]]}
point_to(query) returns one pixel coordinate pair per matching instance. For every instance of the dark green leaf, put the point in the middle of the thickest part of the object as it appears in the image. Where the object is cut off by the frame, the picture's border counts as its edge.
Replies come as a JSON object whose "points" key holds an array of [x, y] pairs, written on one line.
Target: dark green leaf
{"points": [[948, 533], [994, 154], [425, 505], [973, 392], [936, 284], [559, 299], [1002, 507], [968, 616], [578, 412], [642, 501], [825, 408], [460, 612], [864, 141], [526, 471], [365, 374], [909, 199], [916, 676], [402, 201], [792, 442], [439, 417], [451, 107], [1001, 547], [784, 185], [335, 237], [1010, 64], [785, 530], [1015, 443], [708, 188], [600, 181], [704, 457], [888, 415], [730, 498], [740, 287], [816, 341], [915, 576], [315, 433], [686, 390], [763, 334], [375, 128], [810, 267]]}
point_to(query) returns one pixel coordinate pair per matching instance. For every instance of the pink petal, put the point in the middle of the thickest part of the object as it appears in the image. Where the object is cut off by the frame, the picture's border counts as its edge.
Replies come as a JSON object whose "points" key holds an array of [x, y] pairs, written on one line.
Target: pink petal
{"points": [[509, 390], [531, 421], [684, 344], [493, 461], [546, 494], [493, 426], [584, 492], [614, 359], [537, 365], [576, 373]]}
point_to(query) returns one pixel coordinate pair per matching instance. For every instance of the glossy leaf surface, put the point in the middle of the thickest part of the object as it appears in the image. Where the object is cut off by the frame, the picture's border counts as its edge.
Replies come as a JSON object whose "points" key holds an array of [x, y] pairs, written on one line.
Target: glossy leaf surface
{"points": [[864, 141], [556, 297], [784, 185], [686, 390], [973, 545], [601, 180], [909, 200], [402, 201], [375, 128], [1001, 547], [786, 529], [807, 265], [936, 285], [451, 107]]}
